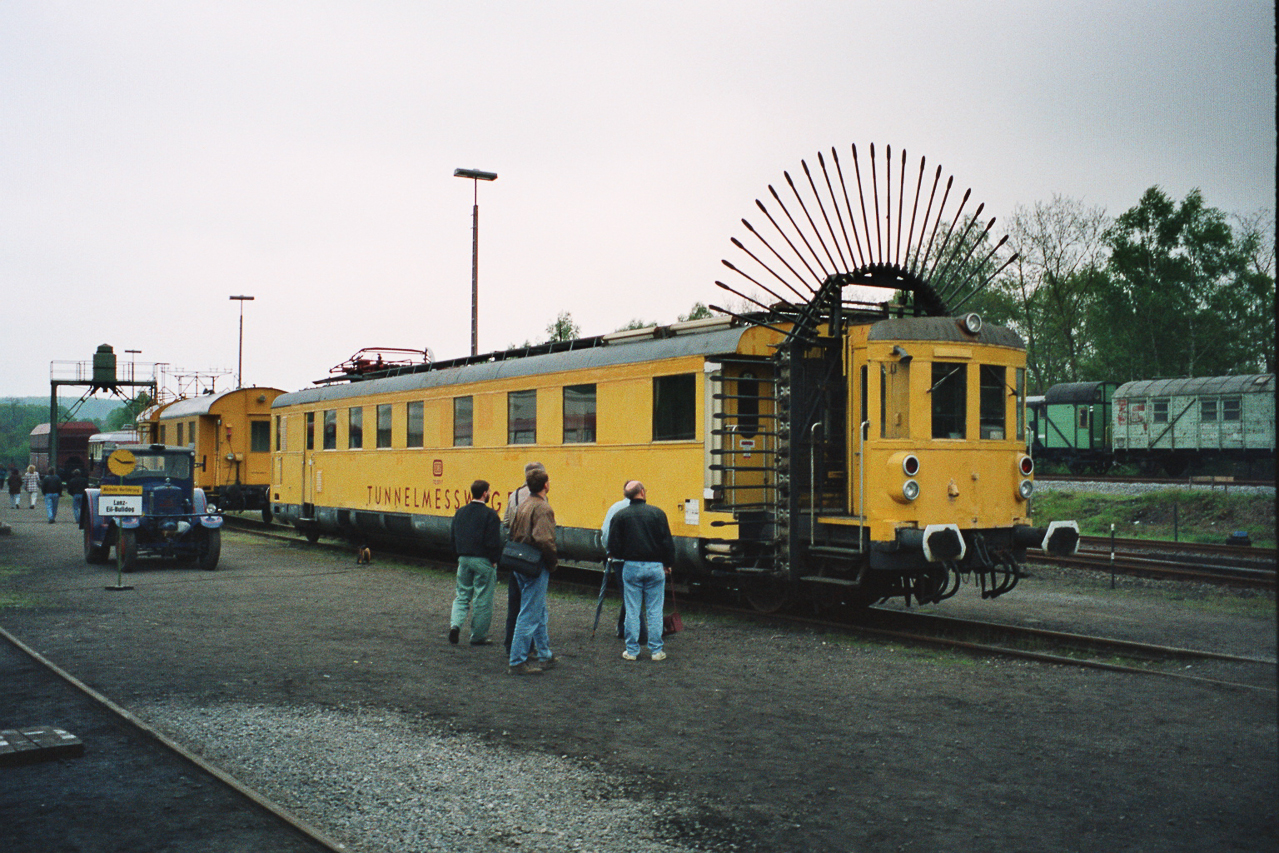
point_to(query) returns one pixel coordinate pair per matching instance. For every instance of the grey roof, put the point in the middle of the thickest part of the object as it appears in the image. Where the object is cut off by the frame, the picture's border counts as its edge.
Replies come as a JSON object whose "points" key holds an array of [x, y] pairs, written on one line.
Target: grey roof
{"points": [[202, 404], [1076, 392], [1253, 383], [719, 341], [941, 329]]}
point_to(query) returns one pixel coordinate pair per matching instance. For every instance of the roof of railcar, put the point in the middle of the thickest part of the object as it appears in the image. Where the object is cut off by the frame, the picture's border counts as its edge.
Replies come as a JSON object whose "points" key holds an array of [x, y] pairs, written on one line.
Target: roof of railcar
{"points": [[941, 329], [1254, 383], [1077, 392], [203, 404], [600, 353]]}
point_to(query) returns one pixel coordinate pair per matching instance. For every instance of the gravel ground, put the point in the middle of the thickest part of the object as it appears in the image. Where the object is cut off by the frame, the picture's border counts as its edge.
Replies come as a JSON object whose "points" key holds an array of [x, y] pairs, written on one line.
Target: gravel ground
{"points": [[332, 690], [399, 783]]}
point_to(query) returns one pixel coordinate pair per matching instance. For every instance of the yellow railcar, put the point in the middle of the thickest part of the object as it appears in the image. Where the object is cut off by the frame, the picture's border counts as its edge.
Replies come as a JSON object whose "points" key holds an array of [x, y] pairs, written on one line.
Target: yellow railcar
{"points": [[231, 434], [701, 413]]}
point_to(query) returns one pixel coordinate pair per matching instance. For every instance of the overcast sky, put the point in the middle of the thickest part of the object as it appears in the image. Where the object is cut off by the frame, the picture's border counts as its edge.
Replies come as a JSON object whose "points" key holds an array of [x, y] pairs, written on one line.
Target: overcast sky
{"points": [[159, 157]]}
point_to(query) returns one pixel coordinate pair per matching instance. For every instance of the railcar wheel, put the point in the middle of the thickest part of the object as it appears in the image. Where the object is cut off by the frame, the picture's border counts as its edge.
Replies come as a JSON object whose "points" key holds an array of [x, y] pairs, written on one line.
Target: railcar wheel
{"points": [[266, 514], [126, 550], [210, 549], [312, 534], [94, 554], [767, 597]]}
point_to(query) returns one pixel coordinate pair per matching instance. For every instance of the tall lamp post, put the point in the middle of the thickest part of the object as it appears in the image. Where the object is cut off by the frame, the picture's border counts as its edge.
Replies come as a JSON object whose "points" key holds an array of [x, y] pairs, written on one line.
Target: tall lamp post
{"points": [[239, 369], [476, 176]]}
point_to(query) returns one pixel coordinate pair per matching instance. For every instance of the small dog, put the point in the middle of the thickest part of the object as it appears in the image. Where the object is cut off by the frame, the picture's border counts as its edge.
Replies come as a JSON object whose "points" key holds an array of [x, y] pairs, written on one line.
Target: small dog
{"points": [[363, 556]]}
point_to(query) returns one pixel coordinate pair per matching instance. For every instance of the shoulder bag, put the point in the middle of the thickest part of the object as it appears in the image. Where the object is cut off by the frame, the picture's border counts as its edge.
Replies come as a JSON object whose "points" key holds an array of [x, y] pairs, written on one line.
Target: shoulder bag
{"points": [[521, 558]]}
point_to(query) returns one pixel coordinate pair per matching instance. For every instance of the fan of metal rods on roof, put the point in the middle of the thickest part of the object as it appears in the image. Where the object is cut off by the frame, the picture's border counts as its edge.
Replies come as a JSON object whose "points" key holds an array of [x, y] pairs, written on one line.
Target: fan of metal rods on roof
{"points": [[822, 243]]}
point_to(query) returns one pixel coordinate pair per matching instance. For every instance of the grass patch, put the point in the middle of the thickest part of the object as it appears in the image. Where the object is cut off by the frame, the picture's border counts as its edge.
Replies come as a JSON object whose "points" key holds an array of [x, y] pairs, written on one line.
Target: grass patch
{"points": [[1198, 515]]}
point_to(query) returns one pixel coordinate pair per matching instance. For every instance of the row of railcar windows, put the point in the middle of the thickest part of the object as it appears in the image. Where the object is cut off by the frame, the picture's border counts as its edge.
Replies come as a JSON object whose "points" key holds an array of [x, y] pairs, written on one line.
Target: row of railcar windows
{"points": [[674, 418]]}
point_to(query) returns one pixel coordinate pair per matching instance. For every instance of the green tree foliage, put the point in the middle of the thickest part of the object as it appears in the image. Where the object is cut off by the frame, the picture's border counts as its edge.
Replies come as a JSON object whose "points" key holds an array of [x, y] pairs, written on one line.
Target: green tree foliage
{"points": [[1061, 250], [16, 422], [126, 416], [563, 329], [636, 323], [1179, 295], [699, 311]]}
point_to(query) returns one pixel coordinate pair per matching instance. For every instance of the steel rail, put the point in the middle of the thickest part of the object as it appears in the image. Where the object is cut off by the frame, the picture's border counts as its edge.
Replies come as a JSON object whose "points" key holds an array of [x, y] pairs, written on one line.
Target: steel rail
{"points": [[221, 775]]}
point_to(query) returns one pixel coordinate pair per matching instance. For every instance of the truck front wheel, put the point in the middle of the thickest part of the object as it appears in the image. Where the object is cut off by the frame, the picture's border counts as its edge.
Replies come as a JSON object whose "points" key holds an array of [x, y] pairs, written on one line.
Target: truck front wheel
{"points": [[94, 553], [210, 549]]}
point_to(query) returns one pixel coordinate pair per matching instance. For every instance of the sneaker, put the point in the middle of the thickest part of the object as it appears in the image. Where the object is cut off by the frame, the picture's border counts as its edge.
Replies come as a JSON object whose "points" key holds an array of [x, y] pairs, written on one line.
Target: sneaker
{"points": [[629, 656], [482, 642], [454, 633], [525, 668], [660, 656], [549, 663]]}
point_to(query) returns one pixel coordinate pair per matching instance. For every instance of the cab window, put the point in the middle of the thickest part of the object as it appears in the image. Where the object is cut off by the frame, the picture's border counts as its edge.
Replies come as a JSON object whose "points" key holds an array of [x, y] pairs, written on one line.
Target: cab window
{"points": [[949, 392]]}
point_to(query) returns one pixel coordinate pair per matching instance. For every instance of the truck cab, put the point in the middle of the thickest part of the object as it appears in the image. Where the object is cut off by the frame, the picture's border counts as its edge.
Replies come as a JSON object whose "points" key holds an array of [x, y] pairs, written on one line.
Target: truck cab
{"points": [[144, 501]]}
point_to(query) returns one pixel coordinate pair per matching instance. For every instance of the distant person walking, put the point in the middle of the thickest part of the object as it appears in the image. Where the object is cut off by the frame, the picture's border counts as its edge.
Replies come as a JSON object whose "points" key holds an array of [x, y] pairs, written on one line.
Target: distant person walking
{"points": [[477, 541], [641, 537], [76, 486], [51, 487], [31, 484], [15, 487], [534, 524]]}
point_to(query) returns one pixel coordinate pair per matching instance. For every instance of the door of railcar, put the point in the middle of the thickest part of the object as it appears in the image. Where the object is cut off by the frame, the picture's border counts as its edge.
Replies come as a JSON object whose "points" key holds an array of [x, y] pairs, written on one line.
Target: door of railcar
{"points": [[743, 437]]}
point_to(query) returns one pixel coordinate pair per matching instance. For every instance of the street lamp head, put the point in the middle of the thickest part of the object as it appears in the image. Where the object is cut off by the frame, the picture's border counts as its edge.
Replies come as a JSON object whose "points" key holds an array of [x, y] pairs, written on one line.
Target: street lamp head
{"points": [[243, 298], [475, 173]]}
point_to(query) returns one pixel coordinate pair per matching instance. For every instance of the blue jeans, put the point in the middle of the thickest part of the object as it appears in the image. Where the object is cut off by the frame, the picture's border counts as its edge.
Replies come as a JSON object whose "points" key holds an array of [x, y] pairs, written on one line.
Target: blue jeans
{"points": [[77, 501], [643, 583], [476, 578], [51, 505], [531, 622]]}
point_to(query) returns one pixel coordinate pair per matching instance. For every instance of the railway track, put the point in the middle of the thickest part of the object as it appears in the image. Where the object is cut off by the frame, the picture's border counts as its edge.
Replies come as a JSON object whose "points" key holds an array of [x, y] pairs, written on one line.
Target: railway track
{"points": [[1170, 482], [970, 636], [1252, 568]]}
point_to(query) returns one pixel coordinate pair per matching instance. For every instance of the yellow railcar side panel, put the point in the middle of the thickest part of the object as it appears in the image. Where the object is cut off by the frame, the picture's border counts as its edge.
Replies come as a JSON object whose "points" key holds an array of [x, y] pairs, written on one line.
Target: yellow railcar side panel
{"points": [[585, 478]]}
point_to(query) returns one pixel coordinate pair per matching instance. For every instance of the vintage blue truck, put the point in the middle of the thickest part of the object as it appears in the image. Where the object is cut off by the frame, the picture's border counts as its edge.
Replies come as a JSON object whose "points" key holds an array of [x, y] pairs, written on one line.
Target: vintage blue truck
{"points": [[144, 502]]}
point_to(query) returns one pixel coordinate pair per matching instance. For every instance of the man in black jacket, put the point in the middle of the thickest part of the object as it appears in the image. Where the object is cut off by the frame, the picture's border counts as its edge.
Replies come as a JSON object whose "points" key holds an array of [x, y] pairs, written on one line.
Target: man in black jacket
{"points": [[477, 540], [640, 536], [51, 486]]}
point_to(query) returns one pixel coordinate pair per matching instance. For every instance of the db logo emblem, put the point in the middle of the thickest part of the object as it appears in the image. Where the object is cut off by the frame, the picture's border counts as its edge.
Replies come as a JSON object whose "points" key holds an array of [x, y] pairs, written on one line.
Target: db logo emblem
{"points": [[437, 468]]}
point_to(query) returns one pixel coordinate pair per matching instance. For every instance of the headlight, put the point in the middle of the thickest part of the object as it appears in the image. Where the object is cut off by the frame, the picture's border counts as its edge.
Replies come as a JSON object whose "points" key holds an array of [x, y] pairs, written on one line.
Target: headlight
{"points": [[1026, 465], [910, 465], [971, 323], [1026, 489], [910, 490]]}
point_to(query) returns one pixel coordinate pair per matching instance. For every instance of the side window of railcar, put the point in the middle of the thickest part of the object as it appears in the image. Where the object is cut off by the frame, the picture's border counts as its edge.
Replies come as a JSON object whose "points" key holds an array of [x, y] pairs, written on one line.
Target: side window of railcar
{"points": [[463, 421], [521, 417], [355, 428], [310, 430], [1159, 411], [279, 433], [414, 416], [1021, 404], [994, 406], [384, 425], [1207, 410], [674, 407], [950, 399], [259, 436], [330, 429], [1230, 408], [894, 400], [579, 414], [180, 433]]}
